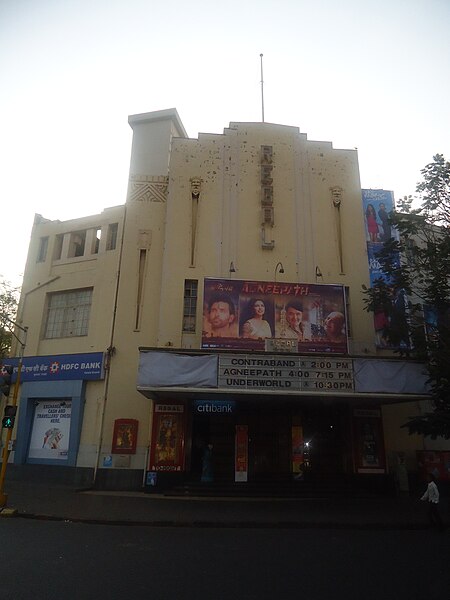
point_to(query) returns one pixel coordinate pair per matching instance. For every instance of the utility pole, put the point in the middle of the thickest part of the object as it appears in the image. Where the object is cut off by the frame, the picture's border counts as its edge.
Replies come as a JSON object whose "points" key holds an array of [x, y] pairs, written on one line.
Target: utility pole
{"points": [[7, 447]]}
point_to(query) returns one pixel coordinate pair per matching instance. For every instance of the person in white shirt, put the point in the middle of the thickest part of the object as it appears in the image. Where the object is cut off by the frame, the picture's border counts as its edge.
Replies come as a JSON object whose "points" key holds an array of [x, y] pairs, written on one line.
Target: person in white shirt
{"points": [[431, 495]]}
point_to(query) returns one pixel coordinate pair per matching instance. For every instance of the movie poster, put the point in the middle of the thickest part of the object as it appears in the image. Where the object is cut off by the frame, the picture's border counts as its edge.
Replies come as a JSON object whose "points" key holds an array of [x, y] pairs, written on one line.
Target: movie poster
{"points": [[167, 452], [377, 204], [261, 315]]}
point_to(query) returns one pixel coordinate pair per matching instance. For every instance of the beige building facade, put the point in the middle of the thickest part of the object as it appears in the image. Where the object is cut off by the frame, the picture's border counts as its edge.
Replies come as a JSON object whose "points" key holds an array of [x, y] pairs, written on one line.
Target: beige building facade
{"points": [[126, 382]]}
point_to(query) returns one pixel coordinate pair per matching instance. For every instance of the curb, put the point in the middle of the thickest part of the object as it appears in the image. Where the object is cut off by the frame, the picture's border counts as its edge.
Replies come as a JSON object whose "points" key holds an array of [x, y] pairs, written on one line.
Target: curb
{"points": [[229, 525], [8, 512]]}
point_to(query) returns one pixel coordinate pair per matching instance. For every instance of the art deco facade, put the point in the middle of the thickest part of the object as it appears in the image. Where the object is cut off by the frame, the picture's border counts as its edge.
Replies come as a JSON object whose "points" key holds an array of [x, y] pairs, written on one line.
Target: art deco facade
{"points": [[126, 380]]}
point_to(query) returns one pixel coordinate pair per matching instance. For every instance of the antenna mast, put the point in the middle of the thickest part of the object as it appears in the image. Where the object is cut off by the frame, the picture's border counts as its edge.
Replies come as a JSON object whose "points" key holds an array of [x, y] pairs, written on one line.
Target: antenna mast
{"points": [[262, 87]]}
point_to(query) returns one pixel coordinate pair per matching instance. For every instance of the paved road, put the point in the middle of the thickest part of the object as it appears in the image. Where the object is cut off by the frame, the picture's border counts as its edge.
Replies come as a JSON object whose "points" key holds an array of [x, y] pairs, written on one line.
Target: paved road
{"points": [[45, 560]]}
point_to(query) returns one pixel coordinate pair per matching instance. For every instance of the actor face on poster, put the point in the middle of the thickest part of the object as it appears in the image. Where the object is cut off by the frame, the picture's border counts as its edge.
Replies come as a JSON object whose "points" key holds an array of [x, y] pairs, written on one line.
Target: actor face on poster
{"points": [[220, 318], [256, 326]]}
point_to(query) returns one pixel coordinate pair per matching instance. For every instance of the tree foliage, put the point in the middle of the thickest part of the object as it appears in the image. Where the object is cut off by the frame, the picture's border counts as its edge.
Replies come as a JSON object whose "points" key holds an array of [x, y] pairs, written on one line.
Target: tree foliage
{"points": [[8, 310], [418, 262]]}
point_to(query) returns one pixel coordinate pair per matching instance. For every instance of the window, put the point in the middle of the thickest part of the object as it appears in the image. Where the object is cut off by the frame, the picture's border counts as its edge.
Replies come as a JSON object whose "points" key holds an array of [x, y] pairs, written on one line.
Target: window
{"points": [[96, 241], [57, 252], [77, 242], [68, 314], [410, 251], [42, 252], [111, 238], [140, 288], [190, 305]]}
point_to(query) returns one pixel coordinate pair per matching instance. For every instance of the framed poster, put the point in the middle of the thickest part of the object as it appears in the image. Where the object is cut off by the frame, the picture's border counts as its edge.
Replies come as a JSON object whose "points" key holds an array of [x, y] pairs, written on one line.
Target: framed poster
{"points": [[50, 434], [125, 436], [369, 456], [241, 454], [167, 448], [297, 449]]}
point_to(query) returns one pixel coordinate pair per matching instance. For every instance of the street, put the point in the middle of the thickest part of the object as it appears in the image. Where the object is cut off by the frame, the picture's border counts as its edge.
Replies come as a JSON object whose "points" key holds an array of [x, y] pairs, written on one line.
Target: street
{"points": [[49, 560]]}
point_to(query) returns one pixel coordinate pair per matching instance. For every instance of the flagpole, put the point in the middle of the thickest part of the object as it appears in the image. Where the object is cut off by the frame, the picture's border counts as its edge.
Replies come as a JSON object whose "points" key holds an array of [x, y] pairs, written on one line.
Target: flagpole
{"points": [[262, 87]]}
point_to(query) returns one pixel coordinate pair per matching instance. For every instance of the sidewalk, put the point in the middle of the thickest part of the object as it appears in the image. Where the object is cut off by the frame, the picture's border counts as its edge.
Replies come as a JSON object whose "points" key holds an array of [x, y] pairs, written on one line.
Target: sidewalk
{"points": [[132, 508]]}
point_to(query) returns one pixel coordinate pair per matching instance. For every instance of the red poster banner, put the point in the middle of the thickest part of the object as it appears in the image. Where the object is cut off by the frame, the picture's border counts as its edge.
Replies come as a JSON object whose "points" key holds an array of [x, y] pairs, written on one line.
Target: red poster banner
{"points": [[435, 462], [241, 453], [259, 315], [125, 436], [167, 449], [297, 449]]}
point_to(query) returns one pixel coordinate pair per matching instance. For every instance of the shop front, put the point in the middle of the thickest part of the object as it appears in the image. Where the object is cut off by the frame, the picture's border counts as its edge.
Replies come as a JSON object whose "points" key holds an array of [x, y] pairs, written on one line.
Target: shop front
{"points": [[272, 439], [239, 418], [264, 440]]}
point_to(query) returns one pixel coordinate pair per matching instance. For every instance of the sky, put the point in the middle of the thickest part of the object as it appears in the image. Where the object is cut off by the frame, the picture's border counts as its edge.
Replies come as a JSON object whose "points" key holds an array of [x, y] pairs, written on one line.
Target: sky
{"points": [[365, 74]]}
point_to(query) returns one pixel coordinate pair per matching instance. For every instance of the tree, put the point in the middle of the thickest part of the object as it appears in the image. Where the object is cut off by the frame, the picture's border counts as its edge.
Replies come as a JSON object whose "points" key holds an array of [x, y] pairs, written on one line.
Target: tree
{"points": [[8, 310], [418, 263]]}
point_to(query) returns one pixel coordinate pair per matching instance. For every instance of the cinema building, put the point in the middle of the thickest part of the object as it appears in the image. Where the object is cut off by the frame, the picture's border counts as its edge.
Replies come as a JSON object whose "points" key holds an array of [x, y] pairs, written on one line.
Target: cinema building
{"points": [[212, 329]]}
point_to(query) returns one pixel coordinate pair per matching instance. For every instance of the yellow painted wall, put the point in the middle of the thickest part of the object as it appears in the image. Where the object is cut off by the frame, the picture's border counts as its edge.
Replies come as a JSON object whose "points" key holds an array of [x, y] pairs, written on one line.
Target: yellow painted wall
{"points": [[157, 222]]}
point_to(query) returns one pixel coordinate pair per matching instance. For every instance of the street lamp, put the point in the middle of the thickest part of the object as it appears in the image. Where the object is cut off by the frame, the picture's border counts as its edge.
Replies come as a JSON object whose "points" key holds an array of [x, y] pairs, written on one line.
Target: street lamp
{"points": [[278, 270], [318, 273]]}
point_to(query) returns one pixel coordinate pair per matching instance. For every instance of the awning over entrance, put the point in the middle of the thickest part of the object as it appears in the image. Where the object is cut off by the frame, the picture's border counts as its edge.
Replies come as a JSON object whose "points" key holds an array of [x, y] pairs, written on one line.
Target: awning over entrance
{"points": [[178, 374]]}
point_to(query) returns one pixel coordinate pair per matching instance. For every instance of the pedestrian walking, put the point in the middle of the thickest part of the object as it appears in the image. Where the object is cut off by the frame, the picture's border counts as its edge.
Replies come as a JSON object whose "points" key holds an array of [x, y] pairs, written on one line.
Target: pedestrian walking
{"points": [[431, 496]]}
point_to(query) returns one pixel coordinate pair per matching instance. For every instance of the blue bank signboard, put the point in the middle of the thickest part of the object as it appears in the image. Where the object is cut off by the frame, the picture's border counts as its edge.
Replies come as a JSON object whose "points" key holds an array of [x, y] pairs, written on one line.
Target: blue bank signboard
{"points": [[59, 367]]}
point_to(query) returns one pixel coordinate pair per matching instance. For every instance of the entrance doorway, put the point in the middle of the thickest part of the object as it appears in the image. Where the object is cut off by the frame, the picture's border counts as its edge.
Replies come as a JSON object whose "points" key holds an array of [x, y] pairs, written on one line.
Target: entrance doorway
{"points": [[326, 430], [216, 430], [269, 446], [327, 433]]}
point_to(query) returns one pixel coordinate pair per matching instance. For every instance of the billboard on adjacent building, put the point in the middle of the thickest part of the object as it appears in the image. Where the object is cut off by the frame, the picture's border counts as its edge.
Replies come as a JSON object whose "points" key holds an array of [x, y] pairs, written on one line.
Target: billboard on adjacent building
{"points": [[263, 315], [377, 204]]}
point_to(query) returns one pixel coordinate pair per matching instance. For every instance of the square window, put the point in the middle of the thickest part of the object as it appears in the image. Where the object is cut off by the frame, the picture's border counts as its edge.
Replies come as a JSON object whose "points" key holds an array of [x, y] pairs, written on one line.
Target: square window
{"points": [[68, 314]]}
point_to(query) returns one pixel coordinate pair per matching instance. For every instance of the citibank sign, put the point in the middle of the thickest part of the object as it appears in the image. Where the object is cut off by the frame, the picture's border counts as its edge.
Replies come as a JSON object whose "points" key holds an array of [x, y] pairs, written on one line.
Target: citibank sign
{"points": [[209, 407]]}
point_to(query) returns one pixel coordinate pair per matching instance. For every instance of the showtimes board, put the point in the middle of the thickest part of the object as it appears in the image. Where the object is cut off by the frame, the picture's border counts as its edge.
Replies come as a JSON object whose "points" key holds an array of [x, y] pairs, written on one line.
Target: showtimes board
{"points": [[318, 374]]}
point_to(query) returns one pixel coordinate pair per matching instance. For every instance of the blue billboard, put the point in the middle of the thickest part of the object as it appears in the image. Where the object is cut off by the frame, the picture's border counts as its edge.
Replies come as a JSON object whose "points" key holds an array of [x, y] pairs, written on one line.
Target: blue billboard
{"points": [[377, 204], [58, 367]]}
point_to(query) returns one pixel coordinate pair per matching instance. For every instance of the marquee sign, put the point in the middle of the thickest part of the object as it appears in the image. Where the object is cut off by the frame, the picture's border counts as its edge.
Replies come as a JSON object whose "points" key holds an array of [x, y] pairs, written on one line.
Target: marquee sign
{"points": [[295, 373]]}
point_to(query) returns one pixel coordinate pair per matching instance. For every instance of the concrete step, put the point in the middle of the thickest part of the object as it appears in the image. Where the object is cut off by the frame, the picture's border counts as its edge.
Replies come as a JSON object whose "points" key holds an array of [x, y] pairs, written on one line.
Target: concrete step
{"points": [[275, 489]]}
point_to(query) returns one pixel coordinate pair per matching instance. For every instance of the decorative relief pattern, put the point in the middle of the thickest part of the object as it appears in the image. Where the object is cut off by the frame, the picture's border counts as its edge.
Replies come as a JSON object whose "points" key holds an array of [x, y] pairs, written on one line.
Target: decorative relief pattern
{"points": [[267, 213], [147, 188], [336, 197], [196, 188]]}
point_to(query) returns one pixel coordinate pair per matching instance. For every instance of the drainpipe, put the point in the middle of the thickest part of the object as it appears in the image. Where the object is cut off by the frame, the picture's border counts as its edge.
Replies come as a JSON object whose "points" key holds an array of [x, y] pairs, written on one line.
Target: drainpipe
{"points": [[109, 354]]}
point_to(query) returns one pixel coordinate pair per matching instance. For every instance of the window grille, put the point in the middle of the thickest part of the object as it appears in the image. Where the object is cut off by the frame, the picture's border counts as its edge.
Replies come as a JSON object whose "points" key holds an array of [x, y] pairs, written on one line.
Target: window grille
{"points": [[190, 305], [68, 314]]}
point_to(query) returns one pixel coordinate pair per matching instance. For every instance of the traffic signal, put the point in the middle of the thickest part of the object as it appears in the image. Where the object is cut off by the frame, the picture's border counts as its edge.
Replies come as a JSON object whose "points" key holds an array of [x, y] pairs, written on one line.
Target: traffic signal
{"points": [[5, 379], [10, 416]]}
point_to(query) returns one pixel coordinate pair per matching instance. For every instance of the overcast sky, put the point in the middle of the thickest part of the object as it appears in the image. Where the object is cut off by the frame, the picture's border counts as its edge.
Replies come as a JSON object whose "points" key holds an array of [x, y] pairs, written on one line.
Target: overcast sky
{"points": [[360, 73]]}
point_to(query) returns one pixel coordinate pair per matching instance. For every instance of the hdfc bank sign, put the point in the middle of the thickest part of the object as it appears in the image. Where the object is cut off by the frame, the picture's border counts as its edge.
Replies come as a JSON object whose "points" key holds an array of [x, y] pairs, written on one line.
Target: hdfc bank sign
{"points": [[209, 407]]}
